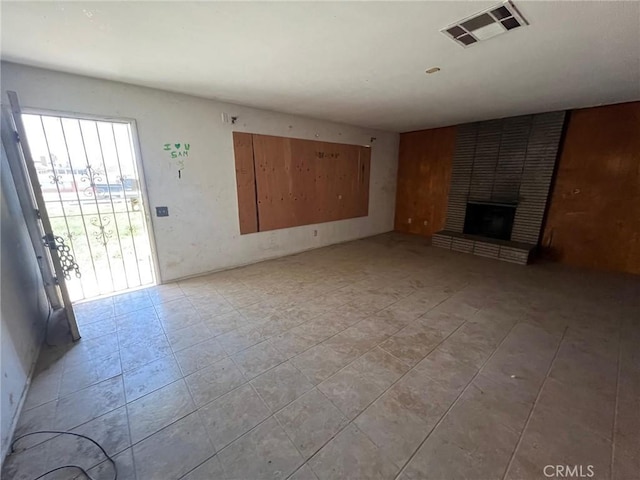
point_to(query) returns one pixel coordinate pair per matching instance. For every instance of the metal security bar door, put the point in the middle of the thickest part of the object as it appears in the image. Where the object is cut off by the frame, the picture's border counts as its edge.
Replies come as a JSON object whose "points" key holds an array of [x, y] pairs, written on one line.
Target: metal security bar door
{"points": [[38, 224], [93, 194]]}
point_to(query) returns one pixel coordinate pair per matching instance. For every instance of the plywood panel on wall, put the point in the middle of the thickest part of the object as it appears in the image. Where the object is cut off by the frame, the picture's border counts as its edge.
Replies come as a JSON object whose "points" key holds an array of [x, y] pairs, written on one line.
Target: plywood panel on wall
{"points": [[424, 175], [594, 214], [301, 182], [245, 182]]}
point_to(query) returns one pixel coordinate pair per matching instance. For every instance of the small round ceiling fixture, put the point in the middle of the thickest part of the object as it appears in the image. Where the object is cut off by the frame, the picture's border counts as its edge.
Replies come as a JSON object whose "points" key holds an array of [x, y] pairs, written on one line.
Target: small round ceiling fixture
{"points": [[431, 70]]}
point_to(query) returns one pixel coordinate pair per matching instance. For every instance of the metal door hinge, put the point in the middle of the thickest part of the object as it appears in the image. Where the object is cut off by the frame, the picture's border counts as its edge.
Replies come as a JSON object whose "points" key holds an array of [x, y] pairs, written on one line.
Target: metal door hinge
{"points": [[17, 136], [49, 241]]}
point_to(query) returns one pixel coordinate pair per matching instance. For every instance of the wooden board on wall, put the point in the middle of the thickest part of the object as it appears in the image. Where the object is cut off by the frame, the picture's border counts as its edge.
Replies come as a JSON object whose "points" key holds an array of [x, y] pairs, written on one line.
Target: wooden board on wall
{"points": [[424, 175], [301, 182], [245, 182], [594, 214]]}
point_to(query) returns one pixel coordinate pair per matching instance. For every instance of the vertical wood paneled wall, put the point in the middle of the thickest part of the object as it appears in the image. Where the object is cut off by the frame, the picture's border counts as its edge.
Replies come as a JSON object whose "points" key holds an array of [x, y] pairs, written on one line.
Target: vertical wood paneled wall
{"points": [[594, 214], [424, 175]]}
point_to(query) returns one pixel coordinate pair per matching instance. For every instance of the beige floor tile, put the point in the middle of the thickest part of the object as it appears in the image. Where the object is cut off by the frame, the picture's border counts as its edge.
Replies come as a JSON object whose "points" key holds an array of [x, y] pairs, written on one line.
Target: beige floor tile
{"points": [[220, 324], [209, 470], [232, 415], [281, 385], [625, 466], [84, 350], [446, 369], [89, 403], [393, 428], [265, 452], [198, 356], [473, 437], [423, 396], [44, 386], [188, 336], [627, 427], [141, 322], [380, 367], [576, 366], [214, 381], [329, 310], [110, 430], [177, 314], [164, 293], [150, 377], [131, 302], [42, 417], [94, 370], [350, 391], [94, 311], [304, 473], [319, 363], [350, 343], [141, 352], [550, 439], [320, 328], [173, 451], [439, 459], [124, 464], [290, 344], [258, 359], [591, 408], [310, 421], [240, 339], [158, 409], [352, 455], [465, 349], [99, 328], [27, 464], [412, 343]]}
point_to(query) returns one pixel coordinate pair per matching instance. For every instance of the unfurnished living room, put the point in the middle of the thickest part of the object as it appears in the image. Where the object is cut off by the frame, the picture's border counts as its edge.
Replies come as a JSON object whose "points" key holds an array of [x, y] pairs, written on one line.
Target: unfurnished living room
{"points": [[320, 240]]}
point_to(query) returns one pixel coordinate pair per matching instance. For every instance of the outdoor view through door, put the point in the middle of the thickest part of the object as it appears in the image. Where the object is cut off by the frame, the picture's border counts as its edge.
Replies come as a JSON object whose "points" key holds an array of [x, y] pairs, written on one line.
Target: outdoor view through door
{"points": [[93, 195]]}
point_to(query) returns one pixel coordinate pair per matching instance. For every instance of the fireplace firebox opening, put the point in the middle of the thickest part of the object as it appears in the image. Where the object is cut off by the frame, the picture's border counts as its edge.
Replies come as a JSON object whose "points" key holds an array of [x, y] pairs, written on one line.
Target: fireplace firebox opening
{"points": [[493, 220]]}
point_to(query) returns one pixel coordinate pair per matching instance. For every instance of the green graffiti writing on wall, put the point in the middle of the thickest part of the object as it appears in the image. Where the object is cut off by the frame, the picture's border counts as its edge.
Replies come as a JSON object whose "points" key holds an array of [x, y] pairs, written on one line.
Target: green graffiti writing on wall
{"points": [[177, 149]]}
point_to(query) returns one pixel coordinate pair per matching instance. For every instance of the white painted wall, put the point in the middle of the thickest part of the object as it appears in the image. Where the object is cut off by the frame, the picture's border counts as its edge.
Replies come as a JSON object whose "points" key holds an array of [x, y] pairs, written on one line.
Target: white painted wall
{"points": [[202, 232], [23, 307]]}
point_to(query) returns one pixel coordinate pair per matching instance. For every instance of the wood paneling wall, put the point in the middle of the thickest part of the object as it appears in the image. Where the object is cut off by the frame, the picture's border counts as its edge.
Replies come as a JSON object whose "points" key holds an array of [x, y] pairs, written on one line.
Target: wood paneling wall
{"points": [[245, 182], [424, 175], [287, 182], [594, 214]]}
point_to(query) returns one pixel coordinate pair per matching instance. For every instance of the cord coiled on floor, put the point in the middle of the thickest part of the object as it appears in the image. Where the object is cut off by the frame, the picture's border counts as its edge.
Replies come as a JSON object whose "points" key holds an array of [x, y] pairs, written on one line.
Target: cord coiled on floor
{"points": [[84, 472]]}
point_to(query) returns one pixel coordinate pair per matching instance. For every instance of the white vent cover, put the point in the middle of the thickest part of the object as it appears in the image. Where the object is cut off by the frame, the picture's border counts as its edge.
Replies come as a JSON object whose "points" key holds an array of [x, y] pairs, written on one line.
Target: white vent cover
{"points": [[485, 24]]}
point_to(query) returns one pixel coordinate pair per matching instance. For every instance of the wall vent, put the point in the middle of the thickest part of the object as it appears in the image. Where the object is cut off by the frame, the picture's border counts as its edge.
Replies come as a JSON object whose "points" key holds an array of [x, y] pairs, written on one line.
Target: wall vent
{"points": [[485, 24]]}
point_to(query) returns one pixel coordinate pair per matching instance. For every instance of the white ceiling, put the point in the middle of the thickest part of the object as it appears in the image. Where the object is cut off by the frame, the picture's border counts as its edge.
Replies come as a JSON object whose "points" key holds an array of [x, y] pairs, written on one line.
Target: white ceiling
{"points": [[361, 63]]}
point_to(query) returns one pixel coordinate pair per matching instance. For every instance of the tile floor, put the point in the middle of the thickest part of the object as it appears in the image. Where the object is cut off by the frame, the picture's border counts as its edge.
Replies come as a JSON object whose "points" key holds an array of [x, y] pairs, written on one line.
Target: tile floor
{"points": [[377, 359]]}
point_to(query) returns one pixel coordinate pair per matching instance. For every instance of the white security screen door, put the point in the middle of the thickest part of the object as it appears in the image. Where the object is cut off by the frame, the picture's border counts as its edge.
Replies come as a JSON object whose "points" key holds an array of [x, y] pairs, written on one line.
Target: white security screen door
{"points": [[90, 182]]}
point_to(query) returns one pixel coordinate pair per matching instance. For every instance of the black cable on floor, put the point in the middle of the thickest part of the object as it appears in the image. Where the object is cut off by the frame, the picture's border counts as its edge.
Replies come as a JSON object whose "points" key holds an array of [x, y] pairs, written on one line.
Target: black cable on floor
{"points": [[113, 462]]}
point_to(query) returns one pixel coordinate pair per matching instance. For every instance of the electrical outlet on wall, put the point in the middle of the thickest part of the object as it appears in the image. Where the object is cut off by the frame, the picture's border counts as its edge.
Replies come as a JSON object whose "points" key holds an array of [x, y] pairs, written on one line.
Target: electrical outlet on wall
{"points": [[162, 211], [315, 233], [409, 220]]}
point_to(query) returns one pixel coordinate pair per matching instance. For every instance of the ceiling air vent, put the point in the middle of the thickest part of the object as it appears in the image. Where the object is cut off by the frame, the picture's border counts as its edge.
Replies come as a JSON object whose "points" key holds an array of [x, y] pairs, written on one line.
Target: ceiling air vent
{"points": [[486, 24]]}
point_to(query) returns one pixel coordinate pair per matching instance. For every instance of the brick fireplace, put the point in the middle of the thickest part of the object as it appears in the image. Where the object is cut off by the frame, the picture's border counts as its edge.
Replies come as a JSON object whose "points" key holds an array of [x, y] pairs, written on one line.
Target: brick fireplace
{"points": [[500, 180]]}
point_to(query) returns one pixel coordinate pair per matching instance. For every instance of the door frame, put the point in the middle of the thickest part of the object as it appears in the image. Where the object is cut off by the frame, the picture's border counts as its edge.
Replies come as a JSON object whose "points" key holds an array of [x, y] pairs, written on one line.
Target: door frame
{"points": [[146, 206]]}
